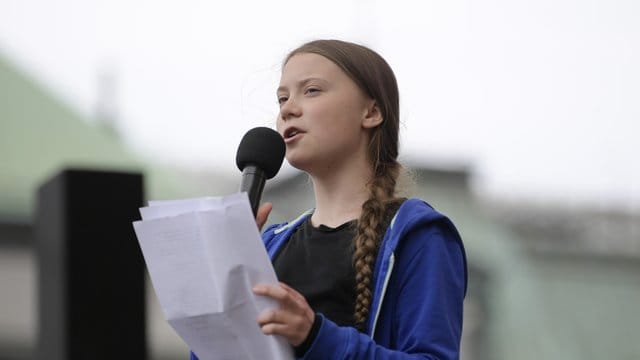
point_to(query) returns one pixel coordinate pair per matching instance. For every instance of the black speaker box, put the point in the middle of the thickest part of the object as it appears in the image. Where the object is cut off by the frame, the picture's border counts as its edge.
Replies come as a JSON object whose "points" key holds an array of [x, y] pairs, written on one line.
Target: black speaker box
{"points": [[91, 294]]}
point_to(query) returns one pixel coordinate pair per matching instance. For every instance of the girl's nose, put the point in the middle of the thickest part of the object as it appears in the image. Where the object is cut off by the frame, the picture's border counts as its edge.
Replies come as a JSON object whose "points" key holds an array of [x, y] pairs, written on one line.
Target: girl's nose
{"points": [[289, 109]]}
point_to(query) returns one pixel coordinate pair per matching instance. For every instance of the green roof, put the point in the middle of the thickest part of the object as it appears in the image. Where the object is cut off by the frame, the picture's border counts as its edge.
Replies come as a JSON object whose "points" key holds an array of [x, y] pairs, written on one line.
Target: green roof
{"points": [[39, 136]]}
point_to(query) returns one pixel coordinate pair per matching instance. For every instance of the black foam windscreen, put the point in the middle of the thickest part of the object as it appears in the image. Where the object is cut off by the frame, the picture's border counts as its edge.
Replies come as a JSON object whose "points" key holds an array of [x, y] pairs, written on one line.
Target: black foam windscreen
{"points": [[261, 147]]}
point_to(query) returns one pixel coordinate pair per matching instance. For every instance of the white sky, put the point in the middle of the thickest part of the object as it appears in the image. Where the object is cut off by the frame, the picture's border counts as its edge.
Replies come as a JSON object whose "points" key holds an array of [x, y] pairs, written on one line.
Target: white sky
{"points": [[540, 96]]}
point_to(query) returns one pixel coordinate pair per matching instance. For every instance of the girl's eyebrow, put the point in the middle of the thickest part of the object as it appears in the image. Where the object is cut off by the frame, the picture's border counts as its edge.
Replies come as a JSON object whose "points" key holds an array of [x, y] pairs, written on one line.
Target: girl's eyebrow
{"points": [[301, 83]]}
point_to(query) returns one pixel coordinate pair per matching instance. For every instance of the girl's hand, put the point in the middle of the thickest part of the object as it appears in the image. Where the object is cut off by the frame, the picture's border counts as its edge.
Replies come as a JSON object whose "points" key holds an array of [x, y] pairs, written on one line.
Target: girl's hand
{"points": [[263, 213], [293, 319]]}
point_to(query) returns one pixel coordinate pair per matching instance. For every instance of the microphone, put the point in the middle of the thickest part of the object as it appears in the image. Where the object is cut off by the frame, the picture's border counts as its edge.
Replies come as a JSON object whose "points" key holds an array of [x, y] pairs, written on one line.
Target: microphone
{"points": [[259, 157]]}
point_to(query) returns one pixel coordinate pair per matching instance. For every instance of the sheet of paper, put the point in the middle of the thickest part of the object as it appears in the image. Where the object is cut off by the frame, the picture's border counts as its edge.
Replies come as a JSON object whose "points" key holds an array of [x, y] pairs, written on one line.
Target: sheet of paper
{"points": [[204, 256]]}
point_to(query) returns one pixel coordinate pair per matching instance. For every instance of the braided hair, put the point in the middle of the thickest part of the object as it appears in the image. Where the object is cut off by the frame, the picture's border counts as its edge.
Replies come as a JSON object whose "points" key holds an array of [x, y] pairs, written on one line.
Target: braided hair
{"points": [[376, 79]]}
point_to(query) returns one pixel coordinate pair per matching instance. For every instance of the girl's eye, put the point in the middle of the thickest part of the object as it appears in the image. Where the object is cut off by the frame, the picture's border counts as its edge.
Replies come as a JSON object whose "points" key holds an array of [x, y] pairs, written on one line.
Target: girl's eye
{"points": [[312, 90], [282, 99]]}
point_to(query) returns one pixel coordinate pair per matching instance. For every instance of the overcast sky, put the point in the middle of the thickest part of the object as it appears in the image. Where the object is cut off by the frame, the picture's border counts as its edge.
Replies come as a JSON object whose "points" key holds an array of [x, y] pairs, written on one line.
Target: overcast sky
{"points": [[540, 97]]}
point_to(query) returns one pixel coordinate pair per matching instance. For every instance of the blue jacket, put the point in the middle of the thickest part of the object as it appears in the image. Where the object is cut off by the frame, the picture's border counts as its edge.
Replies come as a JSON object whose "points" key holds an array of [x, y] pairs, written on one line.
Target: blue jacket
{"points": [[419, 283]]}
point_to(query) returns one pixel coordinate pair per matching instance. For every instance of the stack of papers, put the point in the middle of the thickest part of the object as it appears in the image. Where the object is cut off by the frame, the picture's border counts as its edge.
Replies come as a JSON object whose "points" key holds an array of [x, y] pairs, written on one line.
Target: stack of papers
{"points": [[204, 256]]}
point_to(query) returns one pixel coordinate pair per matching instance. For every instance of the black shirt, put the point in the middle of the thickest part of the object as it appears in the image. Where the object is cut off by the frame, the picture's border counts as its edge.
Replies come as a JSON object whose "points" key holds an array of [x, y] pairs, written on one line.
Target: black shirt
{"points": [[317, 262]]}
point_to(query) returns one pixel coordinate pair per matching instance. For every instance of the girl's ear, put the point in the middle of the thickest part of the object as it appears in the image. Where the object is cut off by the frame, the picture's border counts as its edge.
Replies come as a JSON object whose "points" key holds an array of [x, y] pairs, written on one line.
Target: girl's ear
{"points": [[372, 116]]}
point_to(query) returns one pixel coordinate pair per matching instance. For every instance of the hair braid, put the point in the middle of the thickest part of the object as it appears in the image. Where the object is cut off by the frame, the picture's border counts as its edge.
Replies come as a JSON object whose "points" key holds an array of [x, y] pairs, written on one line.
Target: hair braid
{"points": [[370, 228]]}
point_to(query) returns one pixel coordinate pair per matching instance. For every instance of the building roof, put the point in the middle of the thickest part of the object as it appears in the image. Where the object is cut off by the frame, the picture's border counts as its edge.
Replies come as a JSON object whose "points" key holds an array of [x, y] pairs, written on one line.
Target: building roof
{"points": [[40, 135]]}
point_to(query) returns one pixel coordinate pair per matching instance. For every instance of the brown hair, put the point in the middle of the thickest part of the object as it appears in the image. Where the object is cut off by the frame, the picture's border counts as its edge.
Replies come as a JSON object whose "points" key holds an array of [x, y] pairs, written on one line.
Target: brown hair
{"points": [[374, 76]]}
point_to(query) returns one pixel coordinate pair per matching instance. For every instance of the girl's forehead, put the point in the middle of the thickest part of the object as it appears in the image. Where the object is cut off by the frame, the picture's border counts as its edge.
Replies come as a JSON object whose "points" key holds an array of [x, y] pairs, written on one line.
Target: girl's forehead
{"points": [[306, 65]]}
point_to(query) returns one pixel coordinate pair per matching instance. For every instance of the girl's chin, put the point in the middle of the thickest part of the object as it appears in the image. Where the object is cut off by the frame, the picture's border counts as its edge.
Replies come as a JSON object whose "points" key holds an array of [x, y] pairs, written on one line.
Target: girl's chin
{"points": [[299, 161], [298, 164]]}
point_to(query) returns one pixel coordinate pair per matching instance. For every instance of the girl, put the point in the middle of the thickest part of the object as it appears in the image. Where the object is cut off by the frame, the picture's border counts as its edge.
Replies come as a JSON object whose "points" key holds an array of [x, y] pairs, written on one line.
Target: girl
{"points": [[364, 275]]}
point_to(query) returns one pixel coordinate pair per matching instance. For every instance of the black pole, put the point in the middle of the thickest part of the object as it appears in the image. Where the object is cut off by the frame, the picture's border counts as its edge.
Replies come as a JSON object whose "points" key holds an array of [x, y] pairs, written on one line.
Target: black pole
{"points": [[91, 272]]}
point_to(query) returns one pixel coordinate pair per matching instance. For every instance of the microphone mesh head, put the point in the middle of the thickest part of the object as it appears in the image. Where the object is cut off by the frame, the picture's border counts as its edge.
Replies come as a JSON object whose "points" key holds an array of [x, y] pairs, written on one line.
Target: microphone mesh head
{"points": [[262, 147]]}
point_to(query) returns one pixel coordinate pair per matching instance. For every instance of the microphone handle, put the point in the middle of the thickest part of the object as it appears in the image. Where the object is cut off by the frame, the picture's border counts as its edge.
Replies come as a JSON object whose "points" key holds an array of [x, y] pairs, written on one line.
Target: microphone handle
{"points": [[253, 179]]}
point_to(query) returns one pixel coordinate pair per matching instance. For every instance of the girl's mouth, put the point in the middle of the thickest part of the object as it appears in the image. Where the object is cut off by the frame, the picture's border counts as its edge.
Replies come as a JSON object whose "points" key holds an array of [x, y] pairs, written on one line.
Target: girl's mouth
{"points": [[292, 134]]}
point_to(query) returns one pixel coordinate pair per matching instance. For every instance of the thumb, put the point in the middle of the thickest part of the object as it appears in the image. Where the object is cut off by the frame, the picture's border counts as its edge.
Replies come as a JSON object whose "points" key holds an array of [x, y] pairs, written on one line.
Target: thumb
{"points": [[263, 213]]}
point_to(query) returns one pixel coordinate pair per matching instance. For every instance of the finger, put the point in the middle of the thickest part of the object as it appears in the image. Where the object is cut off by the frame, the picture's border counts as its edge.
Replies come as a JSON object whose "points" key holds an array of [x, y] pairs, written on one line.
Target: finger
{"points": [[293, 335], [272, 291], [273, 316], [286, 299], [293, 292], [263, 214], [275, 329]]}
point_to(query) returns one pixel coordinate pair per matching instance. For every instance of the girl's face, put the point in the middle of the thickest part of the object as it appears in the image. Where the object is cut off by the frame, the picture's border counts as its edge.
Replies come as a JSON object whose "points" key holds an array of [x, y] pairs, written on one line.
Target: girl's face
{"points": [[324, 116]]}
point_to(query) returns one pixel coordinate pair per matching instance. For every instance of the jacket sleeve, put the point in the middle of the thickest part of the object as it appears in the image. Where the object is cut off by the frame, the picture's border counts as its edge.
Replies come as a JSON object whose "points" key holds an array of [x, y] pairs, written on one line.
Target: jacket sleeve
{"points": [[428, 284]]}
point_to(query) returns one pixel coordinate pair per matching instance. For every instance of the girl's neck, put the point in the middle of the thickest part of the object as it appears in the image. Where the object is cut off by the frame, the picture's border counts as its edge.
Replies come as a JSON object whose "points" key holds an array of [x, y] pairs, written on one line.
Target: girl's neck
{"points": [[340, 194]]}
